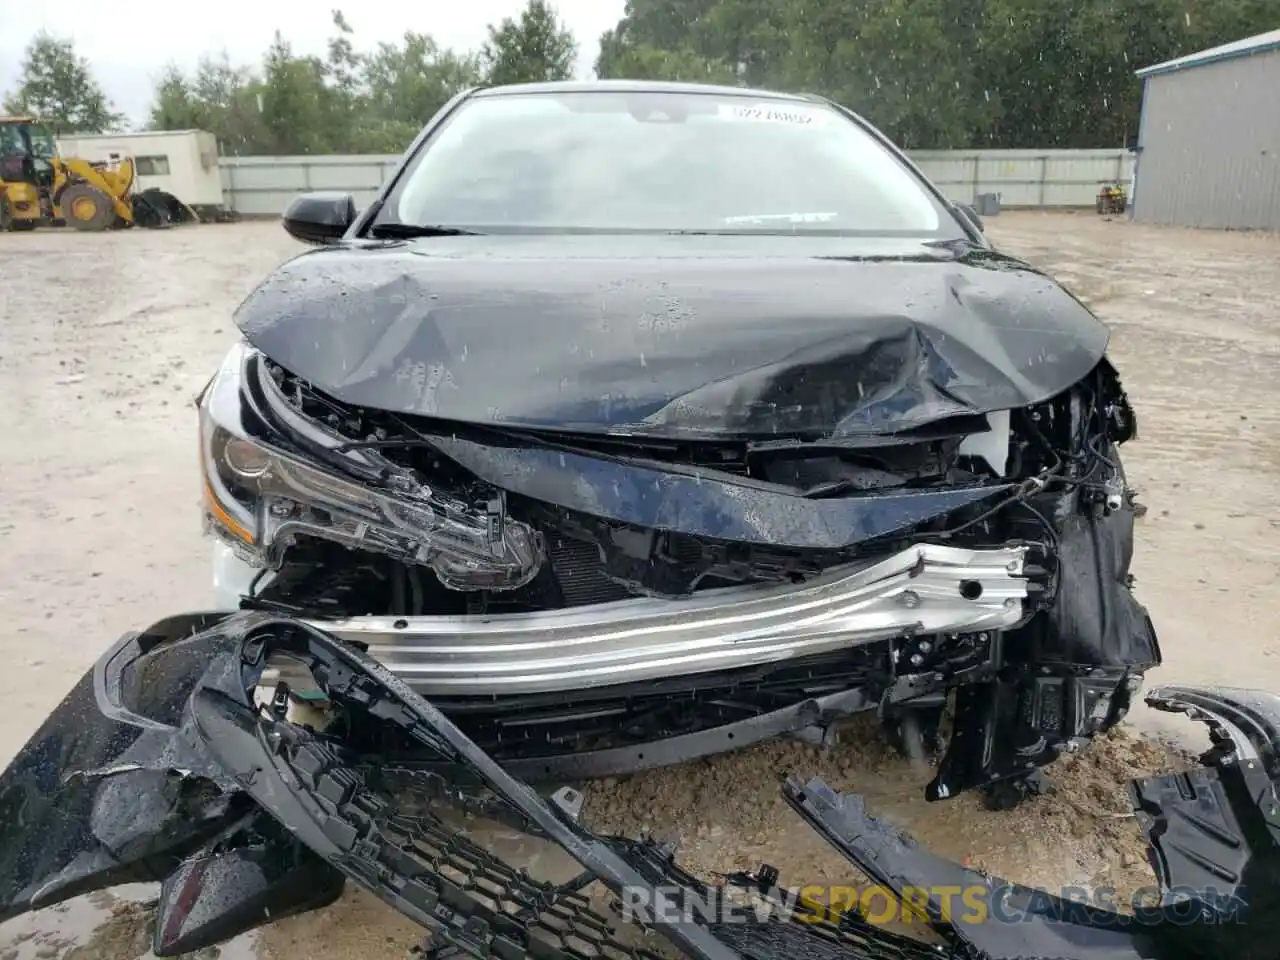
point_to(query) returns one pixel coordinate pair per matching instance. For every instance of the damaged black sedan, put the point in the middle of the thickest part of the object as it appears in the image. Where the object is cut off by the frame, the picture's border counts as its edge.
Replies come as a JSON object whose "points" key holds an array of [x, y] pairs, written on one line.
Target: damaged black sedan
{"points": [[636, 422]]}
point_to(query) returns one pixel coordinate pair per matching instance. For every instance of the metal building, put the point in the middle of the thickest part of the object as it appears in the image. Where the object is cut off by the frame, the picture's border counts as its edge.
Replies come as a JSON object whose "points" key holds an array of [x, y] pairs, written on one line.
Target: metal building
{"points": [[1209, 138]]}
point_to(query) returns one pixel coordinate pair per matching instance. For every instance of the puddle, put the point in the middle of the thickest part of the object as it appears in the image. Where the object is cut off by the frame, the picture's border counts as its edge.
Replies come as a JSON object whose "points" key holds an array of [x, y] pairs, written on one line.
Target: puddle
{"points": [[116, 924], [106, 925]]}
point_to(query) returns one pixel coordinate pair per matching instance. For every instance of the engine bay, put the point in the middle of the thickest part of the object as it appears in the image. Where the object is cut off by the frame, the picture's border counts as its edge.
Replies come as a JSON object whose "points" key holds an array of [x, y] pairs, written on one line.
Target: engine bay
{"points": [[1060, 457]]}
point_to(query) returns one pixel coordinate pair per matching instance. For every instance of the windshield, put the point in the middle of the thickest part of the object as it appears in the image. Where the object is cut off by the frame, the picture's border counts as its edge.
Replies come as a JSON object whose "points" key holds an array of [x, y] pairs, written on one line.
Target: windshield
{"points": [[42, 144], [695, 162]]}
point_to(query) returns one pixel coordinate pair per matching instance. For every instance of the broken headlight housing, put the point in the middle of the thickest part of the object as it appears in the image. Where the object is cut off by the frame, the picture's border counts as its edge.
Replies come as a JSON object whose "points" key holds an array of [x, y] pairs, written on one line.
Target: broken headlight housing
{"points": [[263, 491]]}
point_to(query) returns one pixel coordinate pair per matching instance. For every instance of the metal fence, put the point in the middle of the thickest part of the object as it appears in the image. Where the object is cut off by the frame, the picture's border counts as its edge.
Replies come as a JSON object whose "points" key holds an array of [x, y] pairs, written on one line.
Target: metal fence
{"points": [[256, 186], [1026, 178], [1022, 178]]}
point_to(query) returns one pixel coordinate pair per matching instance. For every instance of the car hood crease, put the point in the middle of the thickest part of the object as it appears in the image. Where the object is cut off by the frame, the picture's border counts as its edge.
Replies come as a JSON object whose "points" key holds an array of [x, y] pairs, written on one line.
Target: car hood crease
{"points": [[674, 337]]}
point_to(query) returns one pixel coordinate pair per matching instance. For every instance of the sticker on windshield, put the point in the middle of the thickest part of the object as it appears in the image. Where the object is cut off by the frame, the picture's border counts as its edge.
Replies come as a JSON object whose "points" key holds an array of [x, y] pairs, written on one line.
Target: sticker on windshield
{"points": [[762, 114], [761, 219]]}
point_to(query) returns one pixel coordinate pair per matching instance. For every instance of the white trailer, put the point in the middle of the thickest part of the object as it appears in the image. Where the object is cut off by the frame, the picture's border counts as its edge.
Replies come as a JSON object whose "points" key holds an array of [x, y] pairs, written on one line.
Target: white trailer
{"points": [[181, 162]]}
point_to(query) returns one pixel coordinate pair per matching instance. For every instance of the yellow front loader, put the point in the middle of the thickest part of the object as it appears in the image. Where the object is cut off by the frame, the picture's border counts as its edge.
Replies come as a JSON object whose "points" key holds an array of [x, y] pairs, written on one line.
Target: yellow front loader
{"points": [[37, 186]]}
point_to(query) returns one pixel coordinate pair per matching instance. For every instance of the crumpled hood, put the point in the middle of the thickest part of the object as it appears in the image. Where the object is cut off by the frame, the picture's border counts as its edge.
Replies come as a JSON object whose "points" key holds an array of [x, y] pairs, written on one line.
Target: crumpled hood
{"points": [[674, 336]]}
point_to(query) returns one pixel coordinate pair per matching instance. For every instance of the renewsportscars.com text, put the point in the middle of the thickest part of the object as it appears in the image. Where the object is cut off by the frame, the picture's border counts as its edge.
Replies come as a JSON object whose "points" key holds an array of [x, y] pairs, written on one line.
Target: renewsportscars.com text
{"points": [[949, 904]]}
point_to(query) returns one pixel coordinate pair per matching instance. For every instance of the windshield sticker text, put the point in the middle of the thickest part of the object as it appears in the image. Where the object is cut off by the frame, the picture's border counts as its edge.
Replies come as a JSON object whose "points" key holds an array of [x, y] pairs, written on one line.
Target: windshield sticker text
{"points": [[766, 115]]}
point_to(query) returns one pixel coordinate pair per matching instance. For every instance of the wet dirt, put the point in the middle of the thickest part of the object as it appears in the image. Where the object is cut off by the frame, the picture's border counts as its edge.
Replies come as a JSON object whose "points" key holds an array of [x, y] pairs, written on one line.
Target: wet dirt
{"points": [[107, 925], [729, 815], [105, 340]]}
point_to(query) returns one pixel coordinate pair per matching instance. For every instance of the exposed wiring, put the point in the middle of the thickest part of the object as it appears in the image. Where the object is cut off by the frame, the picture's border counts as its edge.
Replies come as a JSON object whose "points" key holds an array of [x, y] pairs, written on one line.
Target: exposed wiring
{"points": [[1049, 528], [1025, 489], [1085, 455]]}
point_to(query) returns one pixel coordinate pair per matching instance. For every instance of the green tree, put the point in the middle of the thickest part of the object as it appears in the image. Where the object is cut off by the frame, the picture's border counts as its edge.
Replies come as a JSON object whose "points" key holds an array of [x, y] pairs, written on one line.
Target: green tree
{"points": [[344, 62], [537, 47], [342, 98], [1064, 76], [57, 86], [219, 97], [230, 99], [406, 84], [665, 24], [939, 73], [895, 62], [351, 101], [174, 106], [295, 103], [741, 41], [930, 73], [644, 62]]}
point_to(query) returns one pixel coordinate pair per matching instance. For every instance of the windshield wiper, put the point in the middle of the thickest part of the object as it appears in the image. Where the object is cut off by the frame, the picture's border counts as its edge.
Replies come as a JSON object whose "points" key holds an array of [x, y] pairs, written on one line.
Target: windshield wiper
{"points": [[407, 231]]}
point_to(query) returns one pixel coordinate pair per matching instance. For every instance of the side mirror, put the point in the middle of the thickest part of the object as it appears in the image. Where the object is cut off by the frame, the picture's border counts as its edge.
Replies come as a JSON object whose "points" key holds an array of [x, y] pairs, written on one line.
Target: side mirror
{"points": [[971, 212], [320, 217]]}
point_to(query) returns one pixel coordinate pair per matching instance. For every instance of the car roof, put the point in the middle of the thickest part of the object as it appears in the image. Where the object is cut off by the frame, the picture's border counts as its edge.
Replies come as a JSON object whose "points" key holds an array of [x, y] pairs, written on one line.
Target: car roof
{"points": [[641, 86]]}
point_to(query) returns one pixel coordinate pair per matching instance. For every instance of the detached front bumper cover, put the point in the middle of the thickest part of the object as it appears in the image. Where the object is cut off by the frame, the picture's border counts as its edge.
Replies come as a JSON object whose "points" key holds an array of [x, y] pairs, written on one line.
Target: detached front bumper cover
{"points": [[161, 766]]}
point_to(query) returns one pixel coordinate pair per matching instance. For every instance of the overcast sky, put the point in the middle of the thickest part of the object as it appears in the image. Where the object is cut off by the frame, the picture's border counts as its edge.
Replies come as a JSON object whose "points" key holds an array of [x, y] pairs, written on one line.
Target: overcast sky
{"points": [[127, 46]]}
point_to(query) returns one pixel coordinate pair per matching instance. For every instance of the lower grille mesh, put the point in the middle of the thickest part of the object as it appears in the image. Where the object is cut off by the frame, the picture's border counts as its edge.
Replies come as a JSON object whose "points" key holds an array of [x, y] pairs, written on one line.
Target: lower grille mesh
{"points": [[577, 568]]}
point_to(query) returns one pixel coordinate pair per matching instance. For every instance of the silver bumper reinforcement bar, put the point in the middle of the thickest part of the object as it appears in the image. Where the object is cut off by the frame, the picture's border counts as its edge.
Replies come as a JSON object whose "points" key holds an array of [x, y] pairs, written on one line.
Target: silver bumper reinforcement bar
{"points": [[924, 589]]}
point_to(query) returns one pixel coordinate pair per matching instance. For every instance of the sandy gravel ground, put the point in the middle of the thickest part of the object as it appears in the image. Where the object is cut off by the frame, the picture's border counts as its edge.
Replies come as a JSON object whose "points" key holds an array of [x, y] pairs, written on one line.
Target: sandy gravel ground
{"points": [[104, 340]]}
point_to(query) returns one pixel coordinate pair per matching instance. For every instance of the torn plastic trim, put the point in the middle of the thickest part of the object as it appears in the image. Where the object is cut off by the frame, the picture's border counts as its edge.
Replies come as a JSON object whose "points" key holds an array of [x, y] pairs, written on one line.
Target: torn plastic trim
{"points": [[924, 589], [1036, 924], [228, 659], [1246, 721], [255, 872], [1214, 836], [310, 784], [253, 752], [102, 795], [1217, 828]]}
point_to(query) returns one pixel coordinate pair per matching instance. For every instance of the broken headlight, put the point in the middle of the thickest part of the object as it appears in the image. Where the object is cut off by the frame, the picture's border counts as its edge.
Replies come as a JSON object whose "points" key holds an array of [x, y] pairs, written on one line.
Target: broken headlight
{"points": [[262, 495]]}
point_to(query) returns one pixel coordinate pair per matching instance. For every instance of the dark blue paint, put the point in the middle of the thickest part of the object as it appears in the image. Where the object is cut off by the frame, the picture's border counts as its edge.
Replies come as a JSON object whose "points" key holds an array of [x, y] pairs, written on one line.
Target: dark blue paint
{"points": [[702, 505]]}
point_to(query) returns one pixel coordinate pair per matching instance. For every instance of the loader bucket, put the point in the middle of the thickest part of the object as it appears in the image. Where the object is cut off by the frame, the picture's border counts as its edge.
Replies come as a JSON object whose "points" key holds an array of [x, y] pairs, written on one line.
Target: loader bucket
{"points": [[156, 208]]}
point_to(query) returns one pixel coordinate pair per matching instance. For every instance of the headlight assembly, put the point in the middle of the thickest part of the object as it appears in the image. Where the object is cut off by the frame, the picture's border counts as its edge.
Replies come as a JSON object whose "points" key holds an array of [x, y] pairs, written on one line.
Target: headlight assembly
{"points": [[262, 495]]}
